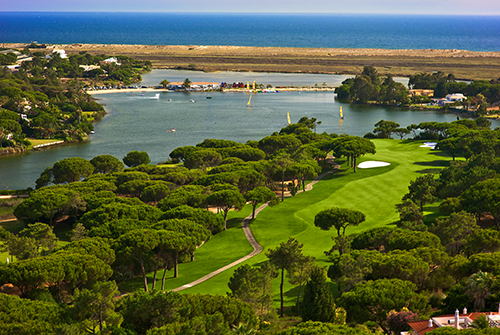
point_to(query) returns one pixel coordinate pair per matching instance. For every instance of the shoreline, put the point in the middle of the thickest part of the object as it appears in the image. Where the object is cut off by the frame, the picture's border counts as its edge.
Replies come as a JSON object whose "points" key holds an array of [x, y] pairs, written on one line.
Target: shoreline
{"points": [[464, 64], [243, 90]]}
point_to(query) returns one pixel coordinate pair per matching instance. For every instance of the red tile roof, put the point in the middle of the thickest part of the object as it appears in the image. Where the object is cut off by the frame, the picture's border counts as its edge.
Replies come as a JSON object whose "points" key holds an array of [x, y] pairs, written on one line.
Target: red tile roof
{"points": [[421, 327]]}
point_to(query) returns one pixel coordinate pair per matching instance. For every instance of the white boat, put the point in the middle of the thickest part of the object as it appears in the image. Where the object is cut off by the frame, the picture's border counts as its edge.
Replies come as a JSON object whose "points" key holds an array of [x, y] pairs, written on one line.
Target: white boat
{"points": [[156, 97], [191, 100]]}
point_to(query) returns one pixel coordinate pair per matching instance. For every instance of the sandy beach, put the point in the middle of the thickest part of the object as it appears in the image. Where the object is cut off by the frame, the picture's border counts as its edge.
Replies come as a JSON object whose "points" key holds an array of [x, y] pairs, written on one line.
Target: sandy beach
{"points": [[127, 90], [160, 90], [467, 65]]}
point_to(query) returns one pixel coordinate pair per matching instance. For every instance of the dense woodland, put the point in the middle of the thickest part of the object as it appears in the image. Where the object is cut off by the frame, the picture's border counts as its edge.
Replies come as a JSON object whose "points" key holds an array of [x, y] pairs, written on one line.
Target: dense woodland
{"points": [[45, 98], [146, 219], [129, 219], [369, 86]]}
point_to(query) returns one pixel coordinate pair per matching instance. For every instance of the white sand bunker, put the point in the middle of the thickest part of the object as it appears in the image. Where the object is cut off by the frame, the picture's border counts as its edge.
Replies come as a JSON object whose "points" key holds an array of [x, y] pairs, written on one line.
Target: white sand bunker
{"points": [[372, 164], [431, 145]]}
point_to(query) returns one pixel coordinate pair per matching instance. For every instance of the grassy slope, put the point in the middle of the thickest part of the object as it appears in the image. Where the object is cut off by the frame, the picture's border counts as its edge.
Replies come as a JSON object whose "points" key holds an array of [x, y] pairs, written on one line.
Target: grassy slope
{"points": [[222, 249], [372, 191]]}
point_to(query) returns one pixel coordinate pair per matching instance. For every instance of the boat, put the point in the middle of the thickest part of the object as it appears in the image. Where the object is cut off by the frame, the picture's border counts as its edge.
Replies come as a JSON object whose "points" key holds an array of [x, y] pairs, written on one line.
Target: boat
{"points": [[288, 117], [191, 100], [169, 99], [341, 114], [171, 130], [209, 97], [249, 101], [157, 96]]}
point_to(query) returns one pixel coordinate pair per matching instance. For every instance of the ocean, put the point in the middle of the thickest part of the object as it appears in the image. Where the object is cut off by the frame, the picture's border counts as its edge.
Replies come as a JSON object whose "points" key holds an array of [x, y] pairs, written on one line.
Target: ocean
{"points": [[475, 33]]}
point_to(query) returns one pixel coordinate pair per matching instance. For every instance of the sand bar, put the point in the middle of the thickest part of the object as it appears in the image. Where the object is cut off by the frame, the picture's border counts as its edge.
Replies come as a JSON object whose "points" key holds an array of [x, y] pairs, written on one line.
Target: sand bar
{"points": [[402, 63]]}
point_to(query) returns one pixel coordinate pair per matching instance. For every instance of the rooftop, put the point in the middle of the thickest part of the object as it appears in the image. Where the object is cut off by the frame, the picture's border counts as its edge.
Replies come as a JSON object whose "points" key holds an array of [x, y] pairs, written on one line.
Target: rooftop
{"points": [[459, 321]]}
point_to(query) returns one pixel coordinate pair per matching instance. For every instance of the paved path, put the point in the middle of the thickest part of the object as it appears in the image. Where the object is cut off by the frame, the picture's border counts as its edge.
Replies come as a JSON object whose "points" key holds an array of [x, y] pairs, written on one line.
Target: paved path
{"points": [[257, 248]]}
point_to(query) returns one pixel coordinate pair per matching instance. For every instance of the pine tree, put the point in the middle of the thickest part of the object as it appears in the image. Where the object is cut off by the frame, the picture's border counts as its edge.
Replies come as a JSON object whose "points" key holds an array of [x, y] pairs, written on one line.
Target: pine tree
{"points": [[318, 303]]}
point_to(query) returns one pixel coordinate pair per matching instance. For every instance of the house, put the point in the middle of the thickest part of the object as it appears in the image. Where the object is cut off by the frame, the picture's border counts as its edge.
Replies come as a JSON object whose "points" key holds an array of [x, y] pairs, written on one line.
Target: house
{"points": [[87, 68], [175, 85], [421, 92], [111, 60], [23, 58], [10, 51], [60, 52], [459, 321], [455, 97], [13, 68]]}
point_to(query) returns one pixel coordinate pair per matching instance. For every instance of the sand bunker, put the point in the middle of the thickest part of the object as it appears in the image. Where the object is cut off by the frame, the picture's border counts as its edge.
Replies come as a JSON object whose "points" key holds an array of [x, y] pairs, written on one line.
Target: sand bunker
{"points": [[372, 164], [431, 145]]}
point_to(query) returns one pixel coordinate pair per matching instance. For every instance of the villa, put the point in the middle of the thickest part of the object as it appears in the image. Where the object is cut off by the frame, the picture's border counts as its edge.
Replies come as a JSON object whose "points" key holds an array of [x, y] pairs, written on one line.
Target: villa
{"points": [[459, 321], [449, 99], [111, 60], [421, 92], [455, 97]]}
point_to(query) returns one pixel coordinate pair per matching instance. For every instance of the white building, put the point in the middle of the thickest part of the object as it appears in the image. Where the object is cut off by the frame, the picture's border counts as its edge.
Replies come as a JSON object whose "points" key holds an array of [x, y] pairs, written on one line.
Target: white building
{"points": [[458, 321], [112, 60], [60, 52], [455, 97]]}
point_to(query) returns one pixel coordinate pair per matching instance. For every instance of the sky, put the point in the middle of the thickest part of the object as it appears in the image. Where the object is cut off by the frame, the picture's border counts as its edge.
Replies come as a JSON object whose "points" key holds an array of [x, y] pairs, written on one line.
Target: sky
{"points": [[434, 7]]}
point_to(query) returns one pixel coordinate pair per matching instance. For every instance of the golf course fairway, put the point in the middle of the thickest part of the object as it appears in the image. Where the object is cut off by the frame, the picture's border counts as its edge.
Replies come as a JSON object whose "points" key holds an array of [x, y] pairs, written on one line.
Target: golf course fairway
{"points": [[373, 191]]}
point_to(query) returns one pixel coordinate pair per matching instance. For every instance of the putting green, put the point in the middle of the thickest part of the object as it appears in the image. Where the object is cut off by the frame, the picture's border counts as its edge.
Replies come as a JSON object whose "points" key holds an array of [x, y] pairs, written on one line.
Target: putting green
{"points": [[374, 191]]}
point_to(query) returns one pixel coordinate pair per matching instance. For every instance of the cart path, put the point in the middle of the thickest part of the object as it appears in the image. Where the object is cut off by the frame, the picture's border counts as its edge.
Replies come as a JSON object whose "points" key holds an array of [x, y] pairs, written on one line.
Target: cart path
{"points": [[257, 248]]}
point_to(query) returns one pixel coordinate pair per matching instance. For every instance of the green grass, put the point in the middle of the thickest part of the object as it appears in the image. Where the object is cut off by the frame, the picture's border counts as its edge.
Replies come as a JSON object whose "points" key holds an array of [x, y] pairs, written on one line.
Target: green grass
{"points": [[15, 226], [7, 208], [35, 142], [221, 250], [375, 192]]}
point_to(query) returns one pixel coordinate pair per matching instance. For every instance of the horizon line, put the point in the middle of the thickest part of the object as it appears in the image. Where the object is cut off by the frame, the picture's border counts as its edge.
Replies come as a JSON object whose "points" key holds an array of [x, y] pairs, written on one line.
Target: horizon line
{"points": [[250, 13]]}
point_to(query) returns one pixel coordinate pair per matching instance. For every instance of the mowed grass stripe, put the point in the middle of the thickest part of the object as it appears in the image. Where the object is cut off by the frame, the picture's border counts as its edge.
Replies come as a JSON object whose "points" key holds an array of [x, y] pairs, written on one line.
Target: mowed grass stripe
{"points": [[373, 191]]}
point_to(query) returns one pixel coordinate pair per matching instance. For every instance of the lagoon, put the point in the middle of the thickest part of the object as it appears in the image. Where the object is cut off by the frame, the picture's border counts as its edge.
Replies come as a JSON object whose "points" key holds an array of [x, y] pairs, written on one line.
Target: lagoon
{"points": [[137, 122]]}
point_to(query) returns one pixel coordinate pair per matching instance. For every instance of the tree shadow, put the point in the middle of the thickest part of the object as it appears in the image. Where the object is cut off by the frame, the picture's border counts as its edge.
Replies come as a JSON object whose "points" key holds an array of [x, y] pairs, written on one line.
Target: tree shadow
{"points": [[427, 171], [336, 174], [234, 222], [435, 213], [439, 153], [63, 230], [434, 163]]}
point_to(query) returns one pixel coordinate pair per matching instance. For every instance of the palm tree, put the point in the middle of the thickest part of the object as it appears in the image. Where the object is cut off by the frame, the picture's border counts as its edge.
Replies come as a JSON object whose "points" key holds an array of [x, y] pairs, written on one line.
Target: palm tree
{"points": [[481, 322], [164, 82], [478, 286], [187, 83]]}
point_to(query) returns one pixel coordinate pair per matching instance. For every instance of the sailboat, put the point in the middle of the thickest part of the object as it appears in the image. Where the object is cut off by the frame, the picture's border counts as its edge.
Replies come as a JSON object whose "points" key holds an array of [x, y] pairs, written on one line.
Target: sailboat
{"points": [[249, 101], [341, 114], [288, 117]]}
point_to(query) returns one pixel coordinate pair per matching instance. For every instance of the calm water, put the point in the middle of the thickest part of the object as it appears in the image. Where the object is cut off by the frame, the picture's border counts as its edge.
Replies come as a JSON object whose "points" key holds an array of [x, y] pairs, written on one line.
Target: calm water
{"points": [[139, 123], [477, 33], [276, 79]]}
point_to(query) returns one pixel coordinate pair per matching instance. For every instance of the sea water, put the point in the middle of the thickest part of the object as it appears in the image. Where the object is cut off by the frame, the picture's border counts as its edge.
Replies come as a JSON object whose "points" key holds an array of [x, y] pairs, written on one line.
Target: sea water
{"points": [[476, 33]]}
